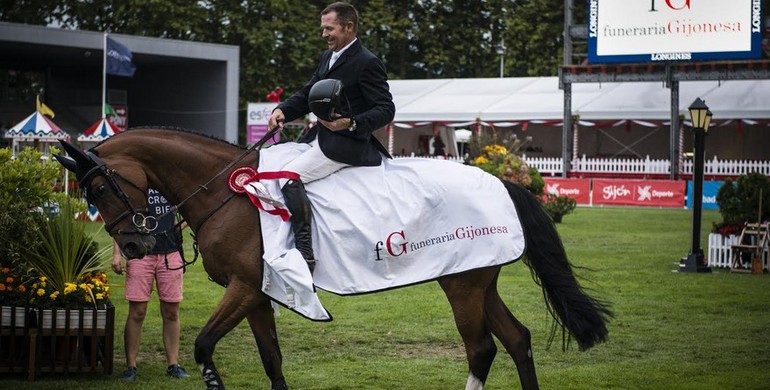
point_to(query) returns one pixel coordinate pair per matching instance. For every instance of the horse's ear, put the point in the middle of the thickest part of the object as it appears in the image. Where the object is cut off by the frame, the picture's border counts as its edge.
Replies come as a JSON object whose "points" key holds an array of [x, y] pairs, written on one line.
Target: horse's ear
{"points": [[77, 161], [67, 162], [76, 154]]}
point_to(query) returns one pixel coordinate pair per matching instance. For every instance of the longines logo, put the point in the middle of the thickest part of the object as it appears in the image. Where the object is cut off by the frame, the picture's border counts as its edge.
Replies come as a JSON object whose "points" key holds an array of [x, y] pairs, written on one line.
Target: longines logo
{"points": [[397, 244]]}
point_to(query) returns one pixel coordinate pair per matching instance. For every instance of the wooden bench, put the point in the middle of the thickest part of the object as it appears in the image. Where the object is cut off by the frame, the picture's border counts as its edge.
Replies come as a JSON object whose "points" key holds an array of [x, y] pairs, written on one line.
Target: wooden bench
{"points": [[747, 253]]}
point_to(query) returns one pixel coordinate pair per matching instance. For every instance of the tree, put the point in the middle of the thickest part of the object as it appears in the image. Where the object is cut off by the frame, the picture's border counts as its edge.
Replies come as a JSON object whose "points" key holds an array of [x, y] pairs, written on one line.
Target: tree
{"points": [[534, 38]]}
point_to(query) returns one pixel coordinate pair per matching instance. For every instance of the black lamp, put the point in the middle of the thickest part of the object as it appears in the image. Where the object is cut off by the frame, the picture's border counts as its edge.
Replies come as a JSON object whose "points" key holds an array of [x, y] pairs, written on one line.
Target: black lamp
{"points": [[701, 119]]}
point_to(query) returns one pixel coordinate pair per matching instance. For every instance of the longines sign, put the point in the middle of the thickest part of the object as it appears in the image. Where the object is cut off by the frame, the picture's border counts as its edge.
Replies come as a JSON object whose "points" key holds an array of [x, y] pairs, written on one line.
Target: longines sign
{"points": [[673, 30]]}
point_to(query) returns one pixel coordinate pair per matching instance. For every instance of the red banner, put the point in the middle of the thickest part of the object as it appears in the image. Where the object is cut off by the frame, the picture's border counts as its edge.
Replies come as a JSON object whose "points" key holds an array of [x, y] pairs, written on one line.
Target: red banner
{"points": [[657, 193], [578, 189]]}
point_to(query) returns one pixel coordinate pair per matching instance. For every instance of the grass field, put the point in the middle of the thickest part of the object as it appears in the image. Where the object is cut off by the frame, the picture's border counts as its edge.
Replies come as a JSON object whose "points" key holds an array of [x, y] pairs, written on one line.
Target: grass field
{"points": [[671, 331]]}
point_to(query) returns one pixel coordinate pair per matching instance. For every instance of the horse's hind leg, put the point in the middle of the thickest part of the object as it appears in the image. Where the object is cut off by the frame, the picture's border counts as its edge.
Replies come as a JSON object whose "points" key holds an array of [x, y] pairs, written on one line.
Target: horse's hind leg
{"points": [[514, 336], [466, 293], [239, 300], [262, 324]]}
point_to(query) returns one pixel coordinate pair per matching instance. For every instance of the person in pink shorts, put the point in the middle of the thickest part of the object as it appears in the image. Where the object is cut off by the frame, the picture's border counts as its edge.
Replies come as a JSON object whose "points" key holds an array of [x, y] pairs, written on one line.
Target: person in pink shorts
{"points": [[162, 267]]}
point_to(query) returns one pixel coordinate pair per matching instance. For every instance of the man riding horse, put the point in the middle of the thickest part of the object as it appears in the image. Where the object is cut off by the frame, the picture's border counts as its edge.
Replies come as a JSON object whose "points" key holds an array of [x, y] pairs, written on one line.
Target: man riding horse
{"points": [[343, 135]]}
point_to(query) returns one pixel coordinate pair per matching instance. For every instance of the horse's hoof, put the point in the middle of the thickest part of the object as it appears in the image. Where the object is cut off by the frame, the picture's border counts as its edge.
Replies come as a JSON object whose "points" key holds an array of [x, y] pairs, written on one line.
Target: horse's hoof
{"points": [[279, 384]]}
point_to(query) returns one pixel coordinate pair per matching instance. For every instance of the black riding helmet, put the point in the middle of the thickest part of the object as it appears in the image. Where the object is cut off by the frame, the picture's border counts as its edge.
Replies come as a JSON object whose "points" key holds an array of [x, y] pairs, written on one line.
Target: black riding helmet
{"points": [[326, 98]]}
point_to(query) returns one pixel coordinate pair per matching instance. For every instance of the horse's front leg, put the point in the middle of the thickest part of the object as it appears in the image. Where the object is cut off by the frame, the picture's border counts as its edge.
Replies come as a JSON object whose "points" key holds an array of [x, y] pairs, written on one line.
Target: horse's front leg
{"points": [[262, 324], [239, 299]]}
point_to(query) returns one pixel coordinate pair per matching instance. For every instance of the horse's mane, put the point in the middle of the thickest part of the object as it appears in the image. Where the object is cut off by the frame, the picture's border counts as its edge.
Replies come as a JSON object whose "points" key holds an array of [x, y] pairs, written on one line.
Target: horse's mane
{"points": [[174, 129]]}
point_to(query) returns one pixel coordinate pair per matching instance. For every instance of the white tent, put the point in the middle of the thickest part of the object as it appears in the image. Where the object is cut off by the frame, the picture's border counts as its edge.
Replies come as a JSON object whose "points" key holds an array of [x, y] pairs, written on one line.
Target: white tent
{"points": [[539, 98], [622, 115]]}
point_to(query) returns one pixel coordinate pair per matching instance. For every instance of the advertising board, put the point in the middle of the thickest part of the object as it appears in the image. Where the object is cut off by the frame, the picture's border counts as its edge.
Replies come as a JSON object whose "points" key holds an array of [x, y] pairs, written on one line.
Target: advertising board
{"points": [[658, 193], [578, 189], [673, 30], [710, 190], [256, 121]]}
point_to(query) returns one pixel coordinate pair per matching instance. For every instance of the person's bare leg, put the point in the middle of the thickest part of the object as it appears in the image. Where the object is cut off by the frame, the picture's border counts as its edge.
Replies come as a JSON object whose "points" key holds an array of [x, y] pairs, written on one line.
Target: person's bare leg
{"points": [[133, 331], [171, 329]]}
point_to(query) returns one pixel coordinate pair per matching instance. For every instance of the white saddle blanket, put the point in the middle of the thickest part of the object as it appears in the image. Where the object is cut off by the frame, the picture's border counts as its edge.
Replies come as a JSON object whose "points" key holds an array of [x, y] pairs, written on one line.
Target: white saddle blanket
{"points": [[375, 228]]}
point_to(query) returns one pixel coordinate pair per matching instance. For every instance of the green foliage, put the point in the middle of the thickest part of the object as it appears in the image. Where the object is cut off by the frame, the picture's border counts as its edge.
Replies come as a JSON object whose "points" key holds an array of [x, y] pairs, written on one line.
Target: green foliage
{"points": [[26, 185], [558, 206], [537, 184], [67, 252], [739, 202], [499, 161]]}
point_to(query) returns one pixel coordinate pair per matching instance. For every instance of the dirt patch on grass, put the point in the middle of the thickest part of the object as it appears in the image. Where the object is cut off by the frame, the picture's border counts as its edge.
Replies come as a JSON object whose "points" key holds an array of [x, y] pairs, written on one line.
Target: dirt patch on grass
{"points": [[426, 350]]}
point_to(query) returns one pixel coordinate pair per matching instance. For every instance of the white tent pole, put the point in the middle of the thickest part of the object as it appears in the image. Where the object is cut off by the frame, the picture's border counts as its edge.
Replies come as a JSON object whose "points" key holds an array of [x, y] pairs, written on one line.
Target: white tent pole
{"points": [[104, 76]]}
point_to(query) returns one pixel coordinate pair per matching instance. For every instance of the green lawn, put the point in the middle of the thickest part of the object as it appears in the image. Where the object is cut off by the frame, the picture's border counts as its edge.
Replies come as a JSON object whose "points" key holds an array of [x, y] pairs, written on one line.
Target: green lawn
{"points": [[671, 331]]}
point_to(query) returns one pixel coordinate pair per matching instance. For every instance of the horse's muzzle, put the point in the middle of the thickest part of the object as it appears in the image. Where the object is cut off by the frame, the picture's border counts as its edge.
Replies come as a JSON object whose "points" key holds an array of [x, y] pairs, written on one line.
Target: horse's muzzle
{"points": [[136, 249]]}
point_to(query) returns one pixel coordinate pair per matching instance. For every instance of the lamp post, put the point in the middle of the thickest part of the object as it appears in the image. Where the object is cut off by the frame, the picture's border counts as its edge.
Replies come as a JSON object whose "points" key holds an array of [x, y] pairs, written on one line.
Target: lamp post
{"points": [[501, 52], [701, 119]]}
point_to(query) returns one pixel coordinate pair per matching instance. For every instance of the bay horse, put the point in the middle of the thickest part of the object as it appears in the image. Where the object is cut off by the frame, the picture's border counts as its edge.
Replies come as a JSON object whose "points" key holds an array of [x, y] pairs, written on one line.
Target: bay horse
{"points": [[116, 174]]}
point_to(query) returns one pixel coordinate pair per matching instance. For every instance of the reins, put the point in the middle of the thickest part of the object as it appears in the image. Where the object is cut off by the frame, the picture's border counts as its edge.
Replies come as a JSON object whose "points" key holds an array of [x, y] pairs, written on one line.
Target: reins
{"points": [[202, 187], [146, 224]]}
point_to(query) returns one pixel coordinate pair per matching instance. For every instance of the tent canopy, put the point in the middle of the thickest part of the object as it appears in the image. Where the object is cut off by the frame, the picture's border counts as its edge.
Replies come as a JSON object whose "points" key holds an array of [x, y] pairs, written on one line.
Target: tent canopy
{"points": [[99, 131], [36, 127], [539, 98]]}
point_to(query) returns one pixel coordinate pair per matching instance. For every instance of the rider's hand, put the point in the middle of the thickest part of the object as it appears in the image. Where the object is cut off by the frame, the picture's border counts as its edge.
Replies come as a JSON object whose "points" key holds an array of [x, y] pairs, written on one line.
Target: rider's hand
{"points": [[337, 124], [276, 119]]}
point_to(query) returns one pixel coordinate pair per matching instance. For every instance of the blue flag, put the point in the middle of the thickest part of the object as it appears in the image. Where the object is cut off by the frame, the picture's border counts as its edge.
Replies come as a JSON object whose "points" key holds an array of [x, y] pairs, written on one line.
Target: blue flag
{"points": [[119, 59]]}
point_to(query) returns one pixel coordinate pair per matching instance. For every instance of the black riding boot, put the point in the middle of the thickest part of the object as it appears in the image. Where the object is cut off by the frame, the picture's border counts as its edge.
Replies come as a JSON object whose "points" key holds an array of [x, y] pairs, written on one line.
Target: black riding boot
{"points": [[298, 204]]}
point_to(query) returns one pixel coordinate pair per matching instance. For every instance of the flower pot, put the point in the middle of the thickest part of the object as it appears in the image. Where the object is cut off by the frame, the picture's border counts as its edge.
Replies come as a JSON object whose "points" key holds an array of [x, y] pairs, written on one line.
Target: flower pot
{"points": [[15, 314], [74, 320]]}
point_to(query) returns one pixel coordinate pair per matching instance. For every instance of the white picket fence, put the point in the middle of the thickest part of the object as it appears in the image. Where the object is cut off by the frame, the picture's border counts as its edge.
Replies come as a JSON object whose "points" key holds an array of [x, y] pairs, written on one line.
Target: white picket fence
{"points": [[720, 253], [547, 166], [728, 167], [621, 165], [552, 166]]}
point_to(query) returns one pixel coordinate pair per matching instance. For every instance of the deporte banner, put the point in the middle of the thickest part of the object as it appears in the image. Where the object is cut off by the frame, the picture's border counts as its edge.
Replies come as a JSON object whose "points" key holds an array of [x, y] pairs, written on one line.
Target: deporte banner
{"points": [[657, 193], [578, 189]]}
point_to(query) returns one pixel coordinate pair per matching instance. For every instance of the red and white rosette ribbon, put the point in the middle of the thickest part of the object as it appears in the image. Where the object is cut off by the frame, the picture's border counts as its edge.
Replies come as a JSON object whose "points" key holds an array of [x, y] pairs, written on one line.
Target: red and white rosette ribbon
{"points": [[259, 195]]}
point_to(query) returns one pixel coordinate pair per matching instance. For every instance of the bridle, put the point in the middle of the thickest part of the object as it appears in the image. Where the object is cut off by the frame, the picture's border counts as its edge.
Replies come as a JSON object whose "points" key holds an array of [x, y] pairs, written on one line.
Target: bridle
{"points": [[142, 222]]}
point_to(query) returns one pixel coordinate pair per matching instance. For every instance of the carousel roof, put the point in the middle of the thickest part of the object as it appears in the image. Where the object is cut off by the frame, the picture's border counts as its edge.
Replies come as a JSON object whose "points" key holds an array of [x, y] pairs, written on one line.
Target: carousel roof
{"points": [[36, 127], [99, 131]]}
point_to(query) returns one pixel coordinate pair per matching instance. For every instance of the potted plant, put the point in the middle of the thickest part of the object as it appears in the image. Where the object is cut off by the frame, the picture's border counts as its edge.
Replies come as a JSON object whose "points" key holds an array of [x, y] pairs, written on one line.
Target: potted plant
{"points": [[502, 161], [68, 263], [13, 297], [26, 183], [558, 206], [739, 202], [51, 266]]}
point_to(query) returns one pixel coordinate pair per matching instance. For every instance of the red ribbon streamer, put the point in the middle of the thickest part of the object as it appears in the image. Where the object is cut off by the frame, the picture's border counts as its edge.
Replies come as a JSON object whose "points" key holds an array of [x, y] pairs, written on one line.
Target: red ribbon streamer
{"points": [[284, 214]]}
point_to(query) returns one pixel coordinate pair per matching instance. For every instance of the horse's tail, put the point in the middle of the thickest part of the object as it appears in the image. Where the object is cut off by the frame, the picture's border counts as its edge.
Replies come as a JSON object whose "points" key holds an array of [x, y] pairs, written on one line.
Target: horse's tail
{"points": [[582, 316]]}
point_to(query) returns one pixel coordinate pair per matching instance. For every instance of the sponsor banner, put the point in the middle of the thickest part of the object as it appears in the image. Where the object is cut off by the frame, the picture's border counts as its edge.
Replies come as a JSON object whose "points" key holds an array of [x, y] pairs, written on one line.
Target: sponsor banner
{"points": [[673, 30], [710, 189], [578, 189], [120, 118], [256, 121], [658, 193]]}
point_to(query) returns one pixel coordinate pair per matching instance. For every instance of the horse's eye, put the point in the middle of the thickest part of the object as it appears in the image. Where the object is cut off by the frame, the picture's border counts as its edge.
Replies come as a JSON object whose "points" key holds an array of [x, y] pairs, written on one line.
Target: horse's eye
{"points": [[100, 190]]}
